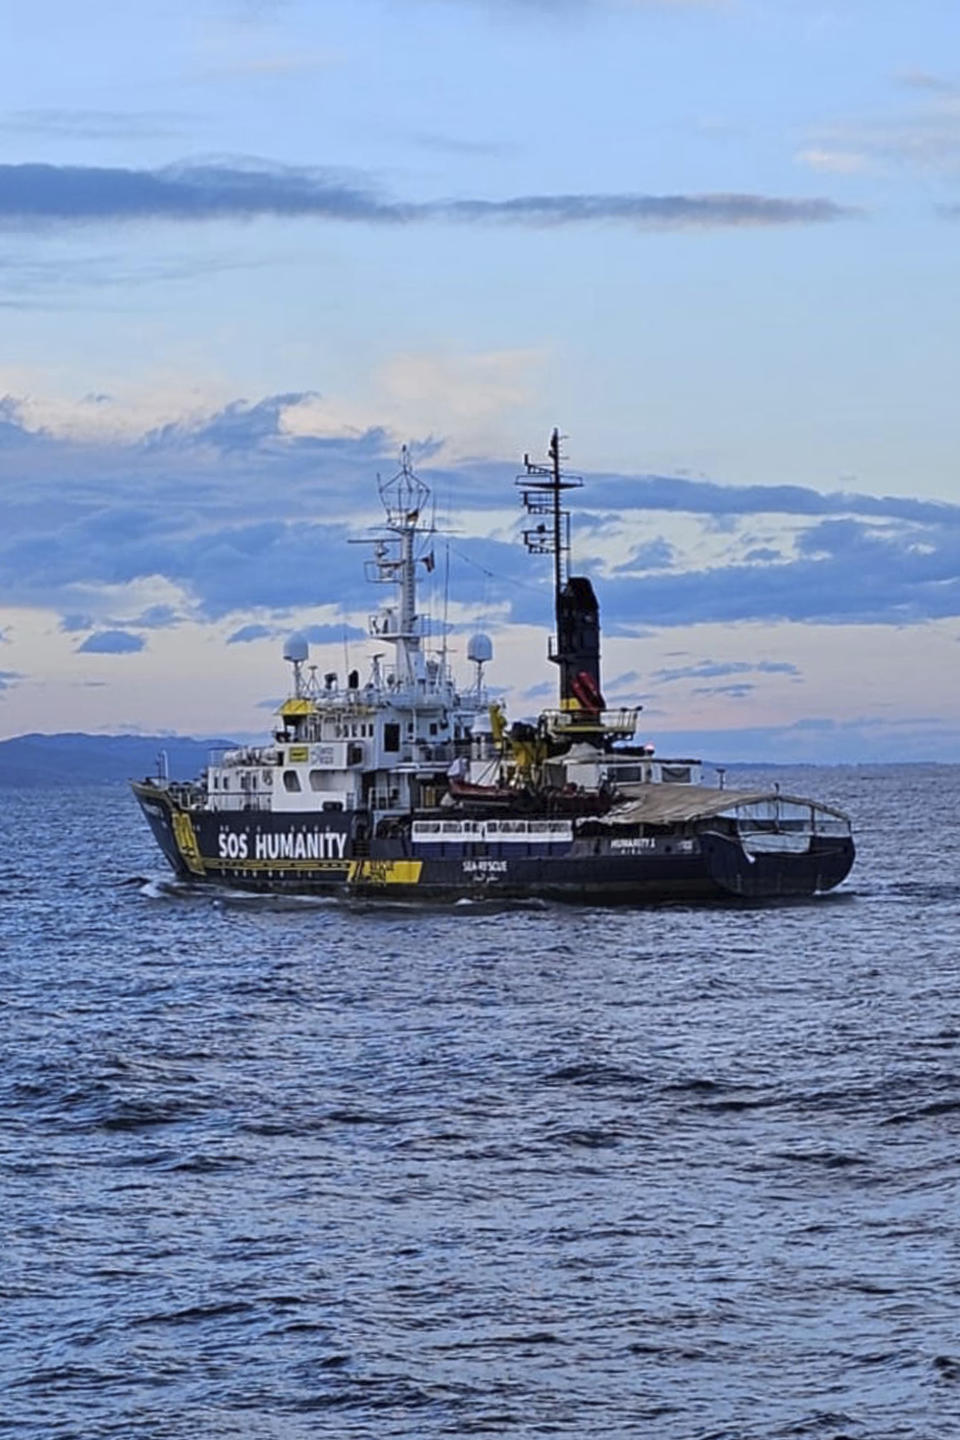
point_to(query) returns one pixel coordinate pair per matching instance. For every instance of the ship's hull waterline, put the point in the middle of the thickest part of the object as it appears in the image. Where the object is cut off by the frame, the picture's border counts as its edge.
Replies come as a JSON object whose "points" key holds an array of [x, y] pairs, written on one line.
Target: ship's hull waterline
{"points": [[332, 854]]}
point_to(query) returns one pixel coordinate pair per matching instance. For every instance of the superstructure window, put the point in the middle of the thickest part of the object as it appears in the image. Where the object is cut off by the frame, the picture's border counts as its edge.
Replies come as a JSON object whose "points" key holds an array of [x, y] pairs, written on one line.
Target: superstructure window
{"points": [[291, 782], [391, 736]]}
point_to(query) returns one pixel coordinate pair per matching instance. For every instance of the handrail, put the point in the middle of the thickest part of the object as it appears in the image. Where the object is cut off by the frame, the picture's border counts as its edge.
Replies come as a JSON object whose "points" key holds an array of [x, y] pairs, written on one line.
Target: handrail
{"points": [[622, 721]]}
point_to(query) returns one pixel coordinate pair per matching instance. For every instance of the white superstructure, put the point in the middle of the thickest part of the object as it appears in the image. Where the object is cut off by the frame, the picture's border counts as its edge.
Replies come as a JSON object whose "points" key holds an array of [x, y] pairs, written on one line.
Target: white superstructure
{"points": [[386, 743]]}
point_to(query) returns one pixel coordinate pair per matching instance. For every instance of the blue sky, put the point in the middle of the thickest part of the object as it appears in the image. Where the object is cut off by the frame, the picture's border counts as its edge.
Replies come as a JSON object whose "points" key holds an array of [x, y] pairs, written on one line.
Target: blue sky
{"points": [[248, 249]]}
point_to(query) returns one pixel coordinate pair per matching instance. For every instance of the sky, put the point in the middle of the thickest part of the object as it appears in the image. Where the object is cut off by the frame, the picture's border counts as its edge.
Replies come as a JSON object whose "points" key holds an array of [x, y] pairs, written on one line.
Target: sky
{"points": [[249, 248]]}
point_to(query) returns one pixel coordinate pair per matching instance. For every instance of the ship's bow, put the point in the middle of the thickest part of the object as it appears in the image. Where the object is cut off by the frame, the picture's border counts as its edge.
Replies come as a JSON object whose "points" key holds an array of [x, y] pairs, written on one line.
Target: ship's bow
{"points": [[171, 827]]}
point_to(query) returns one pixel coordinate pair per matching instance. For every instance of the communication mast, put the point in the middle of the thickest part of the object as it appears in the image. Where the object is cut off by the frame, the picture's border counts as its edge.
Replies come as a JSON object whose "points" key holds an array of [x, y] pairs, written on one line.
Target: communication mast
{"points": [[542, 487], [576, 648]]}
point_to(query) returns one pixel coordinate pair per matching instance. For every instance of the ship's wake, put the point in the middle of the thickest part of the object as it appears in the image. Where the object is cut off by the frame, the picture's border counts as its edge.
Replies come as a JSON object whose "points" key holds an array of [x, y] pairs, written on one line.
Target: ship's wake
{"points": [[223, 897], [170, 889]]}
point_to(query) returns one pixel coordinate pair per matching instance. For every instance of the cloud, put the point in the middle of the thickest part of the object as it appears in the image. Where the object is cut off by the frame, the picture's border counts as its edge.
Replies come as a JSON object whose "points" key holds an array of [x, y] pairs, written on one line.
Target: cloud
{"points": [[650, 212], [111, 642], [31, 280], [655, 554], [845, 574], [927, 80], [733, 692], [451, 145], [65, 124], [835, 162], [44, 194], [168, 507], [242, 514], [925, 138], [331, 634], [314, 634], [248, 633], [155, 617], [914, 738], [8, 678], [239, 426], [762, 553], [706, 497], [713, 669]]}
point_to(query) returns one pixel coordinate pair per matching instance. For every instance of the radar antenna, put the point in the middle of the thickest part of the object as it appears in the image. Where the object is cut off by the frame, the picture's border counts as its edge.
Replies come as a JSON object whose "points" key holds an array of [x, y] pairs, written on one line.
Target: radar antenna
{"points": [[404, 496], [395, 559], [542, 487]]}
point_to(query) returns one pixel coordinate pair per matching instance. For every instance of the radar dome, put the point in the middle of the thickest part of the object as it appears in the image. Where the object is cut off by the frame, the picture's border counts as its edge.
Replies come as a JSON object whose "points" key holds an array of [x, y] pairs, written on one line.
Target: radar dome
{"points": [[480, 649], [295, 648]]}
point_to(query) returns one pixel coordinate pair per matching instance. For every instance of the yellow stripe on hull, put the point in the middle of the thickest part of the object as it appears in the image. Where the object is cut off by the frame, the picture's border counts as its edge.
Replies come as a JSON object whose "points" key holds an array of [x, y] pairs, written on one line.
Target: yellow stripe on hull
{"points": [[385, 872], [186, 839]]}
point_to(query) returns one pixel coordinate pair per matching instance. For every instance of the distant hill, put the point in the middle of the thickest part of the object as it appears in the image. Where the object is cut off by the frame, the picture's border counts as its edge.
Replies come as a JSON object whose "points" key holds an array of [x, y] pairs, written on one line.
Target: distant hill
{"points": [[57, 760]]}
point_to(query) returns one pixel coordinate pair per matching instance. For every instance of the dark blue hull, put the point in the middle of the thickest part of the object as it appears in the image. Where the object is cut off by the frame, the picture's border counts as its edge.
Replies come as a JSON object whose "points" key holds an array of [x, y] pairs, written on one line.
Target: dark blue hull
{"points": [[332, 853]]}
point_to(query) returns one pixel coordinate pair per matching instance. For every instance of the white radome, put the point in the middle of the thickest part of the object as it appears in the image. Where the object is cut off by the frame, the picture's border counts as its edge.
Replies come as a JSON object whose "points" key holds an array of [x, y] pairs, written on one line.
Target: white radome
{"points": [[480, 649], [295, 648]]}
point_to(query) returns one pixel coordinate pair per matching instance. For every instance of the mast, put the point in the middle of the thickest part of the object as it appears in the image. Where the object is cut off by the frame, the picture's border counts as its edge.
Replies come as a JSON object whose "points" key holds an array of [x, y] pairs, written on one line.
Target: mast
{"points": [[576, 646], [543, 486], [404, 499], [559, 549]]}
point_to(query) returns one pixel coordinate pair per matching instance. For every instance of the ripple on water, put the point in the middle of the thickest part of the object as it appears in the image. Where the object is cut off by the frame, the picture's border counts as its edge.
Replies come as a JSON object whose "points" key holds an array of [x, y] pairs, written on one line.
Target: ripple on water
{"points": [[288, 1168]]}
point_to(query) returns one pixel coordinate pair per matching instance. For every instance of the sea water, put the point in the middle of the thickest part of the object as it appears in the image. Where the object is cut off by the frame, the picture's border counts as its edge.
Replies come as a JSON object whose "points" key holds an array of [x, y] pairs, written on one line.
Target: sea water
{"points": [[289, 1169]]}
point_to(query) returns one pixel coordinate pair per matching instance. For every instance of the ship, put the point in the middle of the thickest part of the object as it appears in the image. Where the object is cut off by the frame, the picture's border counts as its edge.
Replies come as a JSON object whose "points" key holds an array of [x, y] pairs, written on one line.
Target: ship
{"points": [[404, 784]]}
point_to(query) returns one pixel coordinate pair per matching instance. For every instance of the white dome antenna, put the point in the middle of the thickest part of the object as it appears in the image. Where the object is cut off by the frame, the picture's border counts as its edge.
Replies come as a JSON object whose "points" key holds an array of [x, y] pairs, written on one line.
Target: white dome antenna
{"points": [[480, 652], [296, 652]]}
